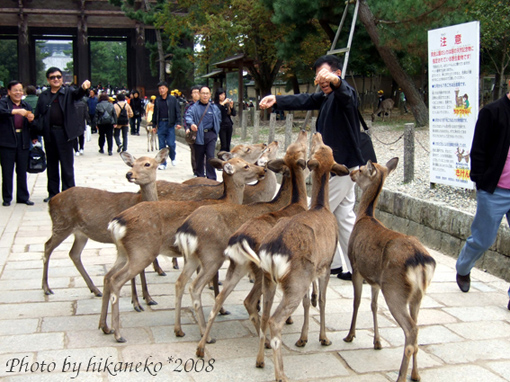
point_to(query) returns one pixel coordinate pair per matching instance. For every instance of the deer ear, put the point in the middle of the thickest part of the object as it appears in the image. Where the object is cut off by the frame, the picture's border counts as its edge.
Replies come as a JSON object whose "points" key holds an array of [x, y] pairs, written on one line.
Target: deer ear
{"points": [[276, 165], [370, 167], [313, 164], [225, 155], [228, 168], [127, 158], [340, 169], [216, 163], [162, 155], [392, 165]]}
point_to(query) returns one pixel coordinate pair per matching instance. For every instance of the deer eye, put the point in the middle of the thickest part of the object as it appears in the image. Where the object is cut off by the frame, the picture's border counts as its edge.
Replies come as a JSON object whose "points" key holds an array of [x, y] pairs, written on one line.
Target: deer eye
{"points": [[247, 167], [147, 164]]}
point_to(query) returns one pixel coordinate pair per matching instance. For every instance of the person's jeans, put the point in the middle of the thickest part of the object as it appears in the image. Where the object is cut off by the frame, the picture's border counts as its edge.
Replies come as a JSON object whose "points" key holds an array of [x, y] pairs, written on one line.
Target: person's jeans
{"points": [[116, 135], [135, 124], [105, 134], [489, 211], [166, 137], [205, 152]]}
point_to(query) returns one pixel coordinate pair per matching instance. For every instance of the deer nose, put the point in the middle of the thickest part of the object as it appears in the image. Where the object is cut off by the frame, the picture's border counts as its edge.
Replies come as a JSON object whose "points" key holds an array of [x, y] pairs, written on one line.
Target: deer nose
{"points": [[129, 175]]}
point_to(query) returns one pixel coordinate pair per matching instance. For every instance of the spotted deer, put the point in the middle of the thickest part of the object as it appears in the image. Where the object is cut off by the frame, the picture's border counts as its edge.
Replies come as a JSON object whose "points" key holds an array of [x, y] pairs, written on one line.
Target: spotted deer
{"points": [[389, 261], [243, 245], [136, 248], [297, 251]]}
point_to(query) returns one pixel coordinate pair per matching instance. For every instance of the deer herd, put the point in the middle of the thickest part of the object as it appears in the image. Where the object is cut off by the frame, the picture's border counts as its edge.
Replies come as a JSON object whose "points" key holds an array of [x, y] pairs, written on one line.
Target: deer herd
{"points": [[279, 240]]}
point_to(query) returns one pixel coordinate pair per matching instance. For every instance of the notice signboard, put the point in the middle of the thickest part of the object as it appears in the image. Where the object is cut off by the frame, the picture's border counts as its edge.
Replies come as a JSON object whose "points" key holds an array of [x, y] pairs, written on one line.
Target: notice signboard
{"points": [[453, 101]]}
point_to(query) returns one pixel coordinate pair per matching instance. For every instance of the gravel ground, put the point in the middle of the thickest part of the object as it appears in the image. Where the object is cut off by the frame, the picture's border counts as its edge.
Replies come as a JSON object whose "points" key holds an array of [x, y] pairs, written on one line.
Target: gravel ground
{"points": [[388, 143]]}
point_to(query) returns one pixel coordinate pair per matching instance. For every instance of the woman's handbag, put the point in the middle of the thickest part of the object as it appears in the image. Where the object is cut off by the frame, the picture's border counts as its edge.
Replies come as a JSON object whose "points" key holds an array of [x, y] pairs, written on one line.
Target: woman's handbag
{"points": [[366, 146], [36, 160]]}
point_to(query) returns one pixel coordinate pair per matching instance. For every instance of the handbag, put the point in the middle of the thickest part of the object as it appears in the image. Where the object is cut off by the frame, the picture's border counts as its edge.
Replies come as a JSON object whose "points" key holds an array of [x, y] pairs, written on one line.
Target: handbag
{"points": [[365, 144], [36, 160], [191, 136]]}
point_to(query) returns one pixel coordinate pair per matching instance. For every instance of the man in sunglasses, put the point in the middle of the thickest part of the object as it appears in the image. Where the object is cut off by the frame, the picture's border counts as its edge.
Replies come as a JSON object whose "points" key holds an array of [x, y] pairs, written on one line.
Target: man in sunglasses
{"points": [[58, 122]]}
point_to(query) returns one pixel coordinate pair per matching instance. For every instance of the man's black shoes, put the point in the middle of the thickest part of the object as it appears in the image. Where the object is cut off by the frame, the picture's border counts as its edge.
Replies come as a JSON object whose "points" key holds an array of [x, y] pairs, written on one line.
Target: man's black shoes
{"points": [[464, 282], [336, 271]]}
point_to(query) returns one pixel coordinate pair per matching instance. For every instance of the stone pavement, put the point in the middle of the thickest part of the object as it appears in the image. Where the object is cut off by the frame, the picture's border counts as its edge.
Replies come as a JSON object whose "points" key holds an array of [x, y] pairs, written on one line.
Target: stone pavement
{"points": [[463, 336]]}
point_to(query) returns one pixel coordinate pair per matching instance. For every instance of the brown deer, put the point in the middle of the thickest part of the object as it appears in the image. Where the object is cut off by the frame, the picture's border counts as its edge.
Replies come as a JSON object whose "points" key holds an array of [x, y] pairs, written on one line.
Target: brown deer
{"points": [[243, 245], [389, 261], [136, 248], [86, 212], [202, 239], [152, 137], [385, 107], [297, 251]]}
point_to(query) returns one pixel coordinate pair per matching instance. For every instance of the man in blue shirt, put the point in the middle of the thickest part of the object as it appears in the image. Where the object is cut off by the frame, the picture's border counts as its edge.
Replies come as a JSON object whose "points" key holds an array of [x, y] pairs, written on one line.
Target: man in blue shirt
{"points": [[204, 117]]}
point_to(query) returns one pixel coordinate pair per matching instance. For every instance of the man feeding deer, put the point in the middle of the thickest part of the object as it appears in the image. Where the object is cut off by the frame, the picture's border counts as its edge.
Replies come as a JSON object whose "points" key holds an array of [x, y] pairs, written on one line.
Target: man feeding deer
{"points": [[339, 124]]}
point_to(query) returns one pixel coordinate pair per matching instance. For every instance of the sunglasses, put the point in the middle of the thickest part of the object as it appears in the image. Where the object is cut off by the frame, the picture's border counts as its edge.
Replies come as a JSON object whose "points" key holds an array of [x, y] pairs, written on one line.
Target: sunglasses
{"points": [[55, 77]]}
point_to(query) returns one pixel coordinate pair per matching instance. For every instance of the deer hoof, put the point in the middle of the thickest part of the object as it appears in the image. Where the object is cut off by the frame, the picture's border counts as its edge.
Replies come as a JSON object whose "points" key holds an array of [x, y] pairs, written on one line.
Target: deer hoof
{"points": [[162, 273], [325, 342], [260, 365], [289, 321], [349, 338], [224, 312], [179, 333], [152, 302], [211, 341], [377, 345], [96, 293], [106, 330], [200, 352], [138, 308], [301, 343], [121, 340], [48, 292]]}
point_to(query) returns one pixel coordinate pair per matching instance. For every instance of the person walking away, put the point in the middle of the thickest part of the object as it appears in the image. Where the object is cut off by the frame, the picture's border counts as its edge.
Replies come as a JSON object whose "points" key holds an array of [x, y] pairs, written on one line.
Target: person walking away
{"points": [[490, 170], [339, 124], [166, 117], [204, 117], [83, 115], [31, 99], [190, 136], [56, 116], [137, 107], [106, 119], [226, 107], [92, 103], [124, 113], [15, 137], [403, 101]]}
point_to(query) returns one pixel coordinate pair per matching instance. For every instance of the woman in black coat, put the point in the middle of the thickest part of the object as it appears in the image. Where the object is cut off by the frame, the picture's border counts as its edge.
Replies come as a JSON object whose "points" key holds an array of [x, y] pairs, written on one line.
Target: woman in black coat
{"points": [[226, 107], [15, 120]]}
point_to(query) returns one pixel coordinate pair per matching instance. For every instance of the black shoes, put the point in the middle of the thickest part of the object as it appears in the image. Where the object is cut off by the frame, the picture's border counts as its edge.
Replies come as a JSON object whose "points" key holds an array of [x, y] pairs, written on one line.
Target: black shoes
{"points": [[46, 200], [6, 204], [27, 202], [119, 149], [110, 153], [464, 282], [336, 271], [101, 151], [345, 276]]}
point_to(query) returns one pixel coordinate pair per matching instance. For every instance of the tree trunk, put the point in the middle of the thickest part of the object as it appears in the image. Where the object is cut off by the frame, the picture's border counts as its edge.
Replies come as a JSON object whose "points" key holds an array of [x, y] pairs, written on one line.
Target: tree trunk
{"points": [[414, 100], [159, 41]]}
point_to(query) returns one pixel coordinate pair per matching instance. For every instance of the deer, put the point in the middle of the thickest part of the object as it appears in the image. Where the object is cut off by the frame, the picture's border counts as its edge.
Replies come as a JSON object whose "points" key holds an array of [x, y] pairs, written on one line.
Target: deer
{"points": [[459, 154], [297, 251], [136, 247], [385, 107], [391, 262], [243, 245], [203, 237], [151, 137], [86, 212]]}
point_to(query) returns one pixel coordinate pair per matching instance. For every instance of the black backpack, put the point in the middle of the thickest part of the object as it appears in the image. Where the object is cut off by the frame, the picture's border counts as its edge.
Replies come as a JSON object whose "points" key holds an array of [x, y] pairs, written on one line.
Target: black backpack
{"points": [[37, 160], [123, 119]]}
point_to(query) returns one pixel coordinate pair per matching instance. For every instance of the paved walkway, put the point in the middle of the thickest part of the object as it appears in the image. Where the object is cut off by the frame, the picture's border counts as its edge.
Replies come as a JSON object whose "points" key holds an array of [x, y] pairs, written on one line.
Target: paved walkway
{"points": [[463, 337]]}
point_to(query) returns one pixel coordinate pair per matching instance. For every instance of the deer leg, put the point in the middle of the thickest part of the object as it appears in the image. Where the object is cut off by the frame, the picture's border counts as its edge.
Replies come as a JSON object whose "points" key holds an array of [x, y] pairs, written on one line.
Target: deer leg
{"points": [[175, 263], [134, 296], [197, 286], [189, 267], [230, 283], [303, 339], [57, 237], [215, 287], [289, 303], [119, 263], [158, 269], [268, 290], [314, 293], [251, 301], [397, 303], [357, 282], [323, 285], [75, 255], [373, 306], [414, 308]]}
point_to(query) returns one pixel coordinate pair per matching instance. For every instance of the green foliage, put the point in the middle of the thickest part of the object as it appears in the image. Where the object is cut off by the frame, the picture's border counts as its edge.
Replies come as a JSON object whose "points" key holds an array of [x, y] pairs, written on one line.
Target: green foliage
{"points": [[9, 62], [109, 63]]}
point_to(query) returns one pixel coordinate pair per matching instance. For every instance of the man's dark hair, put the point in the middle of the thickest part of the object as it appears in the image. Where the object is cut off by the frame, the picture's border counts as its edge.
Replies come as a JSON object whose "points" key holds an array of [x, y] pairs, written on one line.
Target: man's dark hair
{"points": [[121, 97], [30, 89], [195, 87], [333, 61], [103, 97], [135, 92], [163, 83], [204, 86], [12, 83], [51, 70]]}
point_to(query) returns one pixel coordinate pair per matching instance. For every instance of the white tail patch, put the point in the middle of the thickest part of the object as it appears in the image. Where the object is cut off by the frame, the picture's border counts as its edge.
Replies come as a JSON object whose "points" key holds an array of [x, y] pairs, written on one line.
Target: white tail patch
{"points": [[275, 343], [277, 265], [241, 252], [187, 243], [420, 277], [117, 229]]}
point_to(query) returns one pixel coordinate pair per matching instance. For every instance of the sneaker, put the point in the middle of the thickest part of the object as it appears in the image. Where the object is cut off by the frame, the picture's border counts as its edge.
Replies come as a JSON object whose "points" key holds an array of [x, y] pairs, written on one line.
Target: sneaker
{"points": [[174, 163], [162, 167], [81, 151], [77, 153], [119, 149]]}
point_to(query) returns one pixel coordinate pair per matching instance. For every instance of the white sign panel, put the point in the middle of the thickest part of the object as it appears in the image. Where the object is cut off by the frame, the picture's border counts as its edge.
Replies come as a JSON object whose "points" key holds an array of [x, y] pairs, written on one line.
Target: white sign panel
{"points": [[453, 101]]}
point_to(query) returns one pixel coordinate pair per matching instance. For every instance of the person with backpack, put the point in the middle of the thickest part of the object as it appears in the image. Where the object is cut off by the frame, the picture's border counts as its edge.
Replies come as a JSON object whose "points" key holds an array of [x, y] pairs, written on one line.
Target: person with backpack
{"points": [[124, 113], [106, 119]]}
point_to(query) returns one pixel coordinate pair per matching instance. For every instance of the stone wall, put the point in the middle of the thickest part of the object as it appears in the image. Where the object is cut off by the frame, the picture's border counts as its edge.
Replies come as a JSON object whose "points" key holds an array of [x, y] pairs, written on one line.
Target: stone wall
{"points": [[441, 228]]}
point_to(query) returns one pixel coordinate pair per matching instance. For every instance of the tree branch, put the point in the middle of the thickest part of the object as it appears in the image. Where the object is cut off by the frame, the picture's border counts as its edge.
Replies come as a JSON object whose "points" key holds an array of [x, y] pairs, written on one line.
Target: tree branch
{"points": [[414, 19]]}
